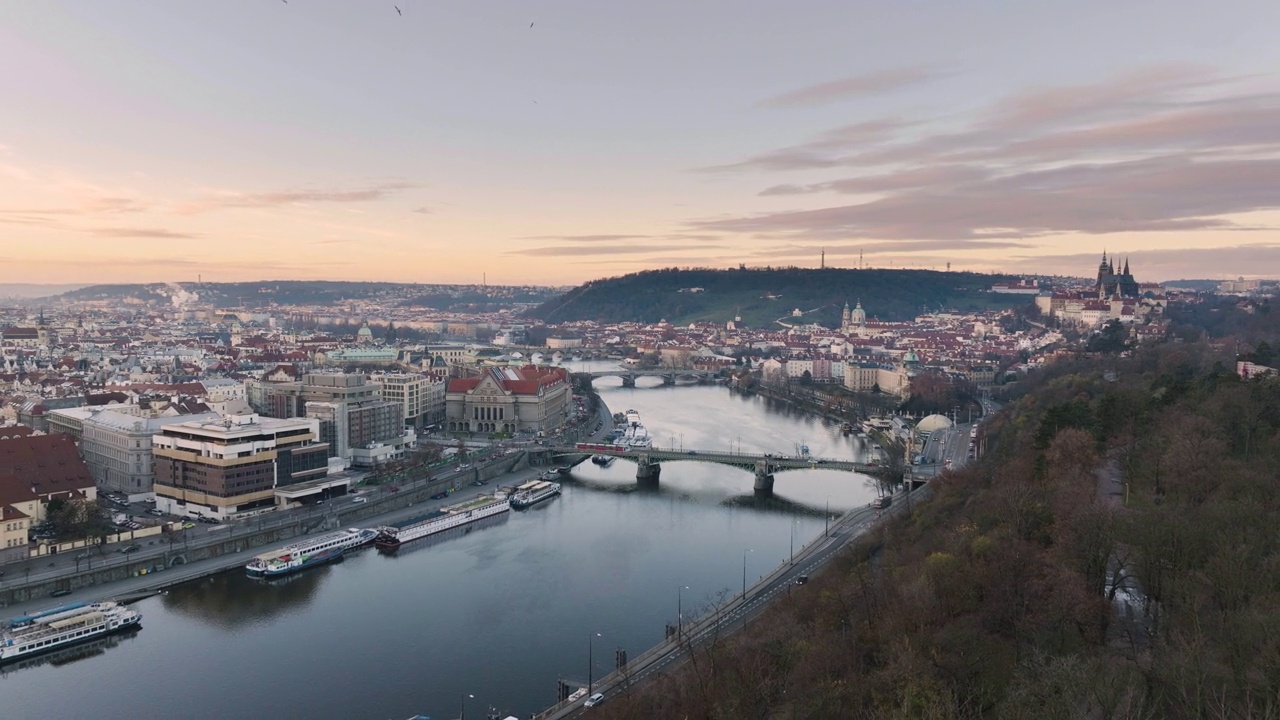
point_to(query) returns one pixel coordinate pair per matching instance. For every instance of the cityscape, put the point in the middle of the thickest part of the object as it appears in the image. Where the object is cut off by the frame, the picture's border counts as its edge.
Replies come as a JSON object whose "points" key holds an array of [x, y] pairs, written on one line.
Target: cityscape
{"points": [[517, 362]]}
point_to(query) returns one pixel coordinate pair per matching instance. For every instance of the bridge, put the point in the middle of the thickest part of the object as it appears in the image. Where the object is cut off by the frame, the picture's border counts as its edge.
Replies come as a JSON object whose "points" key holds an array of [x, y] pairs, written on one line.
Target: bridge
{"points": [[649, 462], [629, 375]]}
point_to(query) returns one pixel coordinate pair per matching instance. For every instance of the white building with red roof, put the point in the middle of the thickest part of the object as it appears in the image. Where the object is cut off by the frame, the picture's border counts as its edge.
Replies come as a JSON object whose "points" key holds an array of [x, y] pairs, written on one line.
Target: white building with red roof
{"points": [[509, 400]]}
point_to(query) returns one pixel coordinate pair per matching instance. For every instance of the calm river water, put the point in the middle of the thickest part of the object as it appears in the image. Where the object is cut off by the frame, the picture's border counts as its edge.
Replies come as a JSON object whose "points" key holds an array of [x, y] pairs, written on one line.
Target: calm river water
{"points": [[499, 612]]}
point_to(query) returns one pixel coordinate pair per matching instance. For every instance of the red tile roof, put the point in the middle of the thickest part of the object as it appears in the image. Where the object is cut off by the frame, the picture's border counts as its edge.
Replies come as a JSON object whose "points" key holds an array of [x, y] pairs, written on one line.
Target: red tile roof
{"points": [[44, 464]]}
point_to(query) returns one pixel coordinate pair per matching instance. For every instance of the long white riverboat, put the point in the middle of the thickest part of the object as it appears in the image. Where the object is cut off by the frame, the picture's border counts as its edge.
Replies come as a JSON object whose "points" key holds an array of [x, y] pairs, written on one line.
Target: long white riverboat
{"points": [[391, 538], [534, 492], [59, 627], [308, 553]]}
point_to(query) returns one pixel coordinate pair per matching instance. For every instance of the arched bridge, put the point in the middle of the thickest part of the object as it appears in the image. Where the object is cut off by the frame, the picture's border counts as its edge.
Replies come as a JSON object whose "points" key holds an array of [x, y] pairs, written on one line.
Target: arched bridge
{"points": [[649, 461], [629, 375]]}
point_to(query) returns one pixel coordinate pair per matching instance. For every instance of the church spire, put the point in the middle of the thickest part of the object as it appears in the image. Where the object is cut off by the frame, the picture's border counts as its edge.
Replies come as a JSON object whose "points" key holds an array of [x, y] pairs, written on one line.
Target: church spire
{"points": [[1126, 266]]}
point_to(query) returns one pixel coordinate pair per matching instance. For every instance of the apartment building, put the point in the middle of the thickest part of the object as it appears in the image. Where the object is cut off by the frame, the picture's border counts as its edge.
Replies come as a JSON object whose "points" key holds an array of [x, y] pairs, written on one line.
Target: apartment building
{"points": [[229, 466]]}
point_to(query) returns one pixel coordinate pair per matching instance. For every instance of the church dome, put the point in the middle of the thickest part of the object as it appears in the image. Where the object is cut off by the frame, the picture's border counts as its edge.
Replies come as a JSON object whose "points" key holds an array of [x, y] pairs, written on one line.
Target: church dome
{"points": [[911, 358], [933, 423], [858, 316]]}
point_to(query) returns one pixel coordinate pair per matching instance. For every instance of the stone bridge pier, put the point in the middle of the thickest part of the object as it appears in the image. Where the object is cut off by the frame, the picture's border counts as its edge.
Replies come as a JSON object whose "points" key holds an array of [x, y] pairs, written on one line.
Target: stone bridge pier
{"points": [[764, 479], [647, 471], [628, 381], [668, 379]]}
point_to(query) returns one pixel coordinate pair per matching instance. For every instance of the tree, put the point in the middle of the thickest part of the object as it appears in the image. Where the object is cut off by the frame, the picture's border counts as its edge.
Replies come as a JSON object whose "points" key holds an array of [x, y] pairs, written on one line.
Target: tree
{"points": [[1113, 338], [391, 334], [806, 378]]}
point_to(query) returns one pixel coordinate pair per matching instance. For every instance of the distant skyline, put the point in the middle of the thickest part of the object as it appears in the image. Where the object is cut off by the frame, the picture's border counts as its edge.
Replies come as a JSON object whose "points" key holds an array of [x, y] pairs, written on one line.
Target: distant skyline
{"points": [[247, 140]]}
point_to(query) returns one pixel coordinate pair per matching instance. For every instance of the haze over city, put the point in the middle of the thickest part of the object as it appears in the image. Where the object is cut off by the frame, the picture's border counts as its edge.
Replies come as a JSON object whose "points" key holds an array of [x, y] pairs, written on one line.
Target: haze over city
{"points": [[558, 142]]}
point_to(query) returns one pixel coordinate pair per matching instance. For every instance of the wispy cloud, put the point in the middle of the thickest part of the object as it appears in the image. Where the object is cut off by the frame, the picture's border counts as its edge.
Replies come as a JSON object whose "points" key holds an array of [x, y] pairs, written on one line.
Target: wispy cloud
{"points": [[423, 211], [584, 238], [1162, 149], [852, 87], [157, 233], [578, 250], [302, 196]]}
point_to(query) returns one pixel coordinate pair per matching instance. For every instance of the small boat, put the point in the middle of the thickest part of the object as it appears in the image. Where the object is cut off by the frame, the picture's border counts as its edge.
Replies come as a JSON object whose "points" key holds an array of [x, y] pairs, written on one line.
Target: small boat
{"points": [[603, 460], [534, 492]]}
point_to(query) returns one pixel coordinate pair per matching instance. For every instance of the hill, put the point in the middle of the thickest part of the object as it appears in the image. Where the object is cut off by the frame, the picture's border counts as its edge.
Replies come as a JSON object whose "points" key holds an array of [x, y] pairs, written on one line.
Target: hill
{"points": [[311, 292], [761, 296], [1112, 556]]}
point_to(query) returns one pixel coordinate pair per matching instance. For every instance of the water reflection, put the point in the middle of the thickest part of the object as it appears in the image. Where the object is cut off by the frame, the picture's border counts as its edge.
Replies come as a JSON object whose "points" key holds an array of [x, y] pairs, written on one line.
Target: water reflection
{"points": [[66, 656], [232, 600]]}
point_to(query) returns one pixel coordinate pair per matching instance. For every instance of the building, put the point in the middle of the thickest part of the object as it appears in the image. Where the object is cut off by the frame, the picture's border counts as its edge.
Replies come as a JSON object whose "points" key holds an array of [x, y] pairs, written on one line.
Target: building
{"points": [[1111, 283], [852, 321], [509, 400], [410, 391], [366, 433], [33, 471], [117, 449], [359, 356], [221, 468]]}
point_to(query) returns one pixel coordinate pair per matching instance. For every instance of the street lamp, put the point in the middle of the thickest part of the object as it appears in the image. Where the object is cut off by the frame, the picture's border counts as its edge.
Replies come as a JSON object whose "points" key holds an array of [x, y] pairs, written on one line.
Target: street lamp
{"points": [[463, 715], [680, 610], [793, 538], [744, 573], [826, 519], [590, 660]]}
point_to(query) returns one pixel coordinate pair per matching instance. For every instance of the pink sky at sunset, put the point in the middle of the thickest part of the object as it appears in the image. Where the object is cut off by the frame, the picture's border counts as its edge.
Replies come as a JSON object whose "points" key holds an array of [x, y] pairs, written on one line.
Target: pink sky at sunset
{"points": [[326, 140]]}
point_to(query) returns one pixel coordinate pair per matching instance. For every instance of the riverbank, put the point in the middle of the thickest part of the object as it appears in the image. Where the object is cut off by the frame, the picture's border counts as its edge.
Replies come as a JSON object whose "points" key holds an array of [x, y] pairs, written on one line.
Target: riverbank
{"points": [[215, 550]]}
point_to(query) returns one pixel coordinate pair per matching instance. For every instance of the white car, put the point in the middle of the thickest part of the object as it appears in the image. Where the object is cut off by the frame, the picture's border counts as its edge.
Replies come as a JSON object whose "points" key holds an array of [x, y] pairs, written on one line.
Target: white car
{"points": [[359, 499], [594, 700]]}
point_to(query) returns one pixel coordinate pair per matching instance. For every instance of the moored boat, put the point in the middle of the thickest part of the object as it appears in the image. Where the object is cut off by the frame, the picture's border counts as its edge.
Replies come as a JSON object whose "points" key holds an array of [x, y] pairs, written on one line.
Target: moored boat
{"points": [[63, 626], [308, 553], [392, 537], [534, 492]]}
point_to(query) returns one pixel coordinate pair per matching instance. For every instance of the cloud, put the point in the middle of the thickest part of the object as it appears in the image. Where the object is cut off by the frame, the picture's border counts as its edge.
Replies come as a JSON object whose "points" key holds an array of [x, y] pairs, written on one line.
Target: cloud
{"points": [[851, 87], [818, 153], [585, 238], [424, 211], [295, 197], [868, 249], [577, 250], [142, 233], [1260, 259], [1162, 149]]}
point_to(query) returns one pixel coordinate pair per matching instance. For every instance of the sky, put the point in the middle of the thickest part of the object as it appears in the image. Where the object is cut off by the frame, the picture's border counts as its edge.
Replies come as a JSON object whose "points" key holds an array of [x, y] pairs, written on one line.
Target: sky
{"points": [[557, 142]]}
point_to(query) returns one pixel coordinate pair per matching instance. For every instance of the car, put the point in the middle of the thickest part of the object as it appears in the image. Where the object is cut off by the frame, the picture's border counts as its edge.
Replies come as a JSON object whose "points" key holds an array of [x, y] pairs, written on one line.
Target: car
{"points": [[359, 499], [463, 466], [154, 511], [131, 548], [82, 555], [393, 488], [439, 496], [60, 593], [594, 700], [150, 501], [802, 579], [208, 520], [691, 452], [188, 525]]}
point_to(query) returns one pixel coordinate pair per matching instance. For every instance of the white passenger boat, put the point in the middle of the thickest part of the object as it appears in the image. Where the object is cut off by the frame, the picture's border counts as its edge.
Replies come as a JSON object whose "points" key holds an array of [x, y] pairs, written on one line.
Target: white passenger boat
{"points": [[534, 492], [308, 553], [59, 627]]}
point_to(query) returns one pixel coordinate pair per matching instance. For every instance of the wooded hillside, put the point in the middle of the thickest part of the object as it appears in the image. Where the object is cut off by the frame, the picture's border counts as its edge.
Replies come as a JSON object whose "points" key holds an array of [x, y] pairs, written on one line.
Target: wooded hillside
{"points": [[761, 295], [1116, 555]]}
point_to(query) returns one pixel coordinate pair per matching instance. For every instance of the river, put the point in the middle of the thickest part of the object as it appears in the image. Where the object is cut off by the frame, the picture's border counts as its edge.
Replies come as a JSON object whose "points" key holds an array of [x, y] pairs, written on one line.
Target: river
{"points": [[497, 612]]}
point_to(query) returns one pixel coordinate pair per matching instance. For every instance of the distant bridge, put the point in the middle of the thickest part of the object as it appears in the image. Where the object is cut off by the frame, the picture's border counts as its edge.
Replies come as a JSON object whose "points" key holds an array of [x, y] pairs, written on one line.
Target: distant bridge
{"points": [[629, 375], [648, 461]]}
